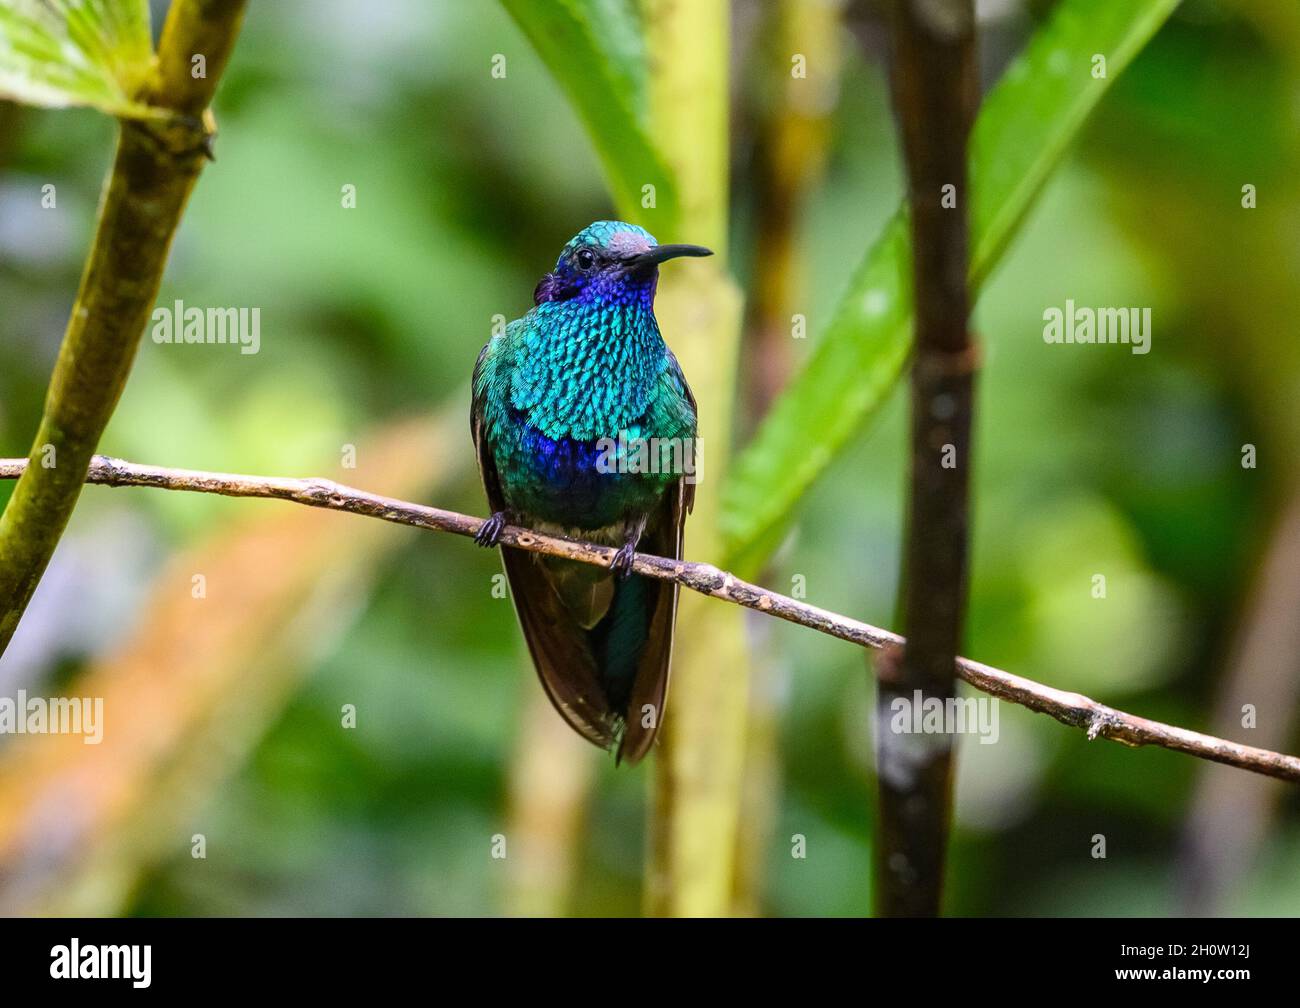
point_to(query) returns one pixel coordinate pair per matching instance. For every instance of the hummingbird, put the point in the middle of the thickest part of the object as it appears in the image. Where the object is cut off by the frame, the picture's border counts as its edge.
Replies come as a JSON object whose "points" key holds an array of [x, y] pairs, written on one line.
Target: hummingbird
{"points": [[584, 425]]}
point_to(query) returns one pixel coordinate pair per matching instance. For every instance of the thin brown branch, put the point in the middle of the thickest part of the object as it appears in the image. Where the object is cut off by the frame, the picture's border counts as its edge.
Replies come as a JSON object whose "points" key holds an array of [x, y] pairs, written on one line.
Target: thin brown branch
{"points": [[1069, 708], [158, 161], [936, 90]]}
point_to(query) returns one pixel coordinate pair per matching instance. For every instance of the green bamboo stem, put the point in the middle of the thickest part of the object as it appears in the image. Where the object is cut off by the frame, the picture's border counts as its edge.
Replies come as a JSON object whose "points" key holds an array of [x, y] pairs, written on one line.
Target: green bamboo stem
{"points": [[156, 166], [698, 774]]}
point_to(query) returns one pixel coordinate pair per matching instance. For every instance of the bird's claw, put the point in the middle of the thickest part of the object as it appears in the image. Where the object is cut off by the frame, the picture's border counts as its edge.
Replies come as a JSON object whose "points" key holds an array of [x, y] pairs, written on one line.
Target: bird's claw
{"points": [[621, 565], [490, 534]]}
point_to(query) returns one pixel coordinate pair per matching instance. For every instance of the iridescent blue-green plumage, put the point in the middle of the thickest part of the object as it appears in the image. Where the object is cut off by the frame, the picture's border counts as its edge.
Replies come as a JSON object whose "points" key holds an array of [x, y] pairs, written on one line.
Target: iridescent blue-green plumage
{"points": [[584, 371]]}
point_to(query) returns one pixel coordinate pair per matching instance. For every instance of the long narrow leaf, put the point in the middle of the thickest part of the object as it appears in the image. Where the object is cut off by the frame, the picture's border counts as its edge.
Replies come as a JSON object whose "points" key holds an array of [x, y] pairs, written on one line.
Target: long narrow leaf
{"points": [[1022, 131], [594, 50], [75, 52]]}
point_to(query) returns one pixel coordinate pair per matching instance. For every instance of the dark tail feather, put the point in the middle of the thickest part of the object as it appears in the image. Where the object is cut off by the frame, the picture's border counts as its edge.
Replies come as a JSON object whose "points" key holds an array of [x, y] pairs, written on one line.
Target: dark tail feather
{"points": [[644, 705], [618, 640], [656, 602], [560, 650]]}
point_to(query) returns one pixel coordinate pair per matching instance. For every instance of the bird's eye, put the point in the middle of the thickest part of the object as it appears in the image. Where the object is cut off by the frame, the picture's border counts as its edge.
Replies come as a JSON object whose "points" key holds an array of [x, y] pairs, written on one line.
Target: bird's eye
{"points": [[585, 259]]}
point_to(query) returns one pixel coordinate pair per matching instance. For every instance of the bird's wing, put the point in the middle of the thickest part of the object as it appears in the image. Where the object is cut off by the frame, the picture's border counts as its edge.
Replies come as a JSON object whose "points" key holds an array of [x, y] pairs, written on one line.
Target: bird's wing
{"points": [[558, 645], [650, 688], [665, 538]]}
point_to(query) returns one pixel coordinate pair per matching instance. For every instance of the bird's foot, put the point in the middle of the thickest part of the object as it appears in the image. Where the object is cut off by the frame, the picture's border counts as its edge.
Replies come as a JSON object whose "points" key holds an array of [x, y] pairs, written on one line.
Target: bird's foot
{"points": [[490, 534], [621, 565]]}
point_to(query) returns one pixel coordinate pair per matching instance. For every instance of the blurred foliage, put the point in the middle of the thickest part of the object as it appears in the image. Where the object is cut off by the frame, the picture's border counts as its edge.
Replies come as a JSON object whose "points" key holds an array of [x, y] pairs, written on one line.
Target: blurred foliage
{"points": [[1022, 129], [596, 51], [1088, 458]]}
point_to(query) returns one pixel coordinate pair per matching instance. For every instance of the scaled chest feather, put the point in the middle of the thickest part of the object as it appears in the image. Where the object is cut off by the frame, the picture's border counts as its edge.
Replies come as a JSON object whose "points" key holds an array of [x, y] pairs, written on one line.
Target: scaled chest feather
{"points": [[559, 416]]}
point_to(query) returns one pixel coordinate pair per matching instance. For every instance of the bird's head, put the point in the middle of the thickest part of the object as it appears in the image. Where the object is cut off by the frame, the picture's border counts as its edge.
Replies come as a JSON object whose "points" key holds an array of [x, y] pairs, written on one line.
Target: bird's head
{"points": [[610, 260]]}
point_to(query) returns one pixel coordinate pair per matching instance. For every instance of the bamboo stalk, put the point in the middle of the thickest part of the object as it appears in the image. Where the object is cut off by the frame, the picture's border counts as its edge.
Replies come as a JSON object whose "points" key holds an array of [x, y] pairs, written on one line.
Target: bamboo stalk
{"points": [[158, 161], [698, 777]]}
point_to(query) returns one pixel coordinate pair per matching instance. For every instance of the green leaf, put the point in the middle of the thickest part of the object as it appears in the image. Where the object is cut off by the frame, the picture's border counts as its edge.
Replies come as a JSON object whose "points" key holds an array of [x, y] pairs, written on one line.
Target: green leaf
{"points": [[76, 52], [1023, 129], [595, 51]]}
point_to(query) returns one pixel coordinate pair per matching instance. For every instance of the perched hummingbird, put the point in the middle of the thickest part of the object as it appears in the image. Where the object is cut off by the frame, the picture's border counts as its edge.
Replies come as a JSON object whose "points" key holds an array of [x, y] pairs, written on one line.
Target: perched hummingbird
{"points": [[579, 412]]}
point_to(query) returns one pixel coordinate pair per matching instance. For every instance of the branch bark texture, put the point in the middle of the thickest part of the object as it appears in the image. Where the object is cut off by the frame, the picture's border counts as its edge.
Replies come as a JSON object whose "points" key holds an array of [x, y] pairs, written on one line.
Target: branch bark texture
{"points": [[1073, 709]]}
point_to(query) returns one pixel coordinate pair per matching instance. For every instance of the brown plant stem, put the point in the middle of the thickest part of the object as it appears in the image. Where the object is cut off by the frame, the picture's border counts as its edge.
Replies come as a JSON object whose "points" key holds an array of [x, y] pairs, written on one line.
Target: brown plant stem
{"points": [[1074, 709], [935, 93], [791, 148]]}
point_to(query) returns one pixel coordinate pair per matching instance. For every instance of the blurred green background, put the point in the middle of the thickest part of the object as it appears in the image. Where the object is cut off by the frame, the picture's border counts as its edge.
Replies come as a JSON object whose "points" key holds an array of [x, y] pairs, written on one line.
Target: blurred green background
{"points": [[1089, 459]]}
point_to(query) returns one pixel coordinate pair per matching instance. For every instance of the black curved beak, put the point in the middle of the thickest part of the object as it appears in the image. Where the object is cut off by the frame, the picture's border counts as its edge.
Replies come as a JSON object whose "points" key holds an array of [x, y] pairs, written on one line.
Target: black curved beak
{"points": [[662, 253]]}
